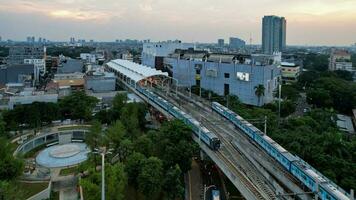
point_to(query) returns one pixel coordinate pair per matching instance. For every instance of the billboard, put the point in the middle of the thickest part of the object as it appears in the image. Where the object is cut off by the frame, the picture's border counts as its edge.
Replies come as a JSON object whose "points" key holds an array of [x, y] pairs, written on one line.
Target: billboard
{"points": [[243, 76]]}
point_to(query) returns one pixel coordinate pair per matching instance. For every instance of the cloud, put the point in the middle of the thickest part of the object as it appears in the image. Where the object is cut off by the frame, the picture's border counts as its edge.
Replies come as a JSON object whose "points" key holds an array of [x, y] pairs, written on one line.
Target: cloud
{"points": [[203, 20]]}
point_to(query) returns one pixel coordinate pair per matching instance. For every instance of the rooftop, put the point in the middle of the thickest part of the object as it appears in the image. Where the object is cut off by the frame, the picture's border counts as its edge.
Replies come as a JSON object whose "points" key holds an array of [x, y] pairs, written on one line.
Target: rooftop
{"points": [[134, 71]]}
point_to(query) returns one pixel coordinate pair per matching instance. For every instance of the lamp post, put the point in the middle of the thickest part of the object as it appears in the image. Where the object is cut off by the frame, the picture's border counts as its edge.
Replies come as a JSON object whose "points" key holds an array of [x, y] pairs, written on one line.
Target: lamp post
{"points": [[102, 151]]}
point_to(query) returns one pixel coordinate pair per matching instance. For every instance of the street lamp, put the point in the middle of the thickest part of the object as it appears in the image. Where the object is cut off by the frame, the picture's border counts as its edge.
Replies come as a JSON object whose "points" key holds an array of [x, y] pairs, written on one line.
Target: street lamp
{"points": [[102, 151]]}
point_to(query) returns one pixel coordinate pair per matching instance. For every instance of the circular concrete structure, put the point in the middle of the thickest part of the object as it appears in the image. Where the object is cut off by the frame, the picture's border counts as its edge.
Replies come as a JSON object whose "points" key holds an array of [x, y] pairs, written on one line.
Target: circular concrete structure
{"points": [[63, 155], [64, 151]]}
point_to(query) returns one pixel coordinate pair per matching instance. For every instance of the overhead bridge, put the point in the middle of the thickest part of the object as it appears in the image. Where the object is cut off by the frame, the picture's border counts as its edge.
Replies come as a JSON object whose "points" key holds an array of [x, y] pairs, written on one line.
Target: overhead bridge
{"points": [[253, 162]]}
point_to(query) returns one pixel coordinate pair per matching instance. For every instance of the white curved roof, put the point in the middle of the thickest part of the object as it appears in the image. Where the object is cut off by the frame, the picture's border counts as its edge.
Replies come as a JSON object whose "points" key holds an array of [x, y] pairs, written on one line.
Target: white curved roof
{"points": [[133, 70]]}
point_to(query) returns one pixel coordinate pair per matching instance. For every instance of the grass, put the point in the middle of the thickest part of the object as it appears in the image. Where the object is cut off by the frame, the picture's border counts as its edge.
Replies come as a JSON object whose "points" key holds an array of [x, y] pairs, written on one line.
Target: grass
{"points": [[31, 189], [68, 171], [73, 128]]}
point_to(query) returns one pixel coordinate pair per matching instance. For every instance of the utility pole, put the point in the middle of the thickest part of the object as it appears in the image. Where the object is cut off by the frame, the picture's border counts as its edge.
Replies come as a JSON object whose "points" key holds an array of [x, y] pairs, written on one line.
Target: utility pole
{"points": [[279, 102], [265, 131], [102, 151]]}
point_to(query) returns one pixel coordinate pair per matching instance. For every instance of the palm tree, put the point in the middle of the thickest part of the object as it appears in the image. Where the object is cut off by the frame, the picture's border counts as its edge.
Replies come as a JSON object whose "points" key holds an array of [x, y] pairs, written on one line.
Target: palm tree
{"points": [[259, 91]]}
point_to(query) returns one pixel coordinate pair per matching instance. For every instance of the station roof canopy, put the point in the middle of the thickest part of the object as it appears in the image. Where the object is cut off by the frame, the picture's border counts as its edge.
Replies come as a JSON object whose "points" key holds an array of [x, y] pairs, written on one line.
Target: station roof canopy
{"points": [[134, 71]]}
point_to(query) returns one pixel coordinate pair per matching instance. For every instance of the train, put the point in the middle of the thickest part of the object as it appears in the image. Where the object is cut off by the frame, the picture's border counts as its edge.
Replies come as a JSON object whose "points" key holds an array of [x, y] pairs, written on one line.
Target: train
{"points": [[209, 138], [310, 177], [215, 194]]}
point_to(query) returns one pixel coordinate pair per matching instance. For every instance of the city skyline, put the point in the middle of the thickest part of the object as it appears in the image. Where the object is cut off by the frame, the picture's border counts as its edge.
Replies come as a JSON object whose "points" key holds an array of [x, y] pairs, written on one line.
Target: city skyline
{"points": [[312, 22]]}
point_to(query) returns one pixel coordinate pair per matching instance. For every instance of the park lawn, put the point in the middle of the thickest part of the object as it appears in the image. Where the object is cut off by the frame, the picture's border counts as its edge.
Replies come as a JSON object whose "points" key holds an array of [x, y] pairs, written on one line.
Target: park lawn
{"points": [[67, 128], [68, 171], [31, 189]]}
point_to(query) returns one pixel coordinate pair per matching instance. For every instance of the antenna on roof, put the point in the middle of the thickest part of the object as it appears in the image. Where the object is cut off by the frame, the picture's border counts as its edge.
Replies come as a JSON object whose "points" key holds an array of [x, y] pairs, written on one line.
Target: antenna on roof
{"points": [[250, 43]]}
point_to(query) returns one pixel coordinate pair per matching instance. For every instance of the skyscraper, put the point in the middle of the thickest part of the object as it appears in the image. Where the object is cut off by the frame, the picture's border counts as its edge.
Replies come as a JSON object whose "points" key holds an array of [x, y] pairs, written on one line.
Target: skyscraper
{"points": [[220, 42], [273, 34]]}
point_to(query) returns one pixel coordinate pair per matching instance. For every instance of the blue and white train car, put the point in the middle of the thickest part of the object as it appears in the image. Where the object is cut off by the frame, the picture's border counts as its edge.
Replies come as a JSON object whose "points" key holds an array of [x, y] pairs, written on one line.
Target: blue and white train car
{"points": [[297, 167], [215, 194]]}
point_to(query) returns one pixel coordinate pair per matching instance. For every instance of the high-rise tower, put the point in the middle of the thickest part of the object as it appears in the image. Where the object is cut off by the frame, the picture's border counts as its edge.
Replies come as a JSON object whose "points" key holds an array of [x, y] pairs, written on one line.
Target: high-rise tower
{"points": [[273, 34]]}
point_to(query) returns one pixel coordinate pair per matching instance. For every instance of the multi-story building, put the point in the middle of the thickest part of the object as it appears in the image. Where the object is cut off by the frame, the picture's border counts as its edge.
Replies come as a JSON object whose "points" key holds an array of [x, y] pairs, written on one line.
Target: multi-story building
{"points": [[88, 57], [227, 74], [236, 43], [290, 72], [221, 42], [40, 66], [18, 54], [273, 34], [340, 60], [24, 73], [100, 82], [153, 53]]}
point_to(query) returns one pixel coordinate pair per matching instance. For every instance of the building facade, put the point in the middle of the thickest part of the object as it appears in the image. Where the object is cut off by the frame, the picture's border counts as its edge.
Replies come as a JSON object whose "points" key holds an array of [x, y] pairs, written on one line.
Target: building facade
{"points": [[100, 82], [24, 73], [340, 60], [228, 74], [153, 53], [273, 34], [18, 54], [221, 42], [290, 72]]}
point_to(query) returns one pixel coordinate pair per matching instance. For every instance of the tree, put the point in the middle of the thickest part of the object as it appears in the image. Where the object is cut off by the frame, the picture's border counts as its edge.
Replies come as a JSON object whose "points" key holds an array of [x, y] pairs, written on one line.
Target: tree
{"points": [[133, 166], [2, 126], [94, 138], [116, 181], [91, 185], [11, 190], [125, 149], [115, 134], [119, 102], [174, 145], [77, 106], [259, 91], [131, 116], [318, 62], [150, 177], [172, 184], [10, 166], [144, 145]]}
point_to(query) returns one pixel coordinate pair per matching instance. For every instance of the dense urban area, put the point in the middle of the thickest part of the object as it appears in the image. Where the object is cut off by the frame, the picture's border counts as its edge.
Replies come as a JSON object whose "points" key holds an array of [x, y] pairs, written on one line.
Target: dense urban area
{"points": [[136, 105]]}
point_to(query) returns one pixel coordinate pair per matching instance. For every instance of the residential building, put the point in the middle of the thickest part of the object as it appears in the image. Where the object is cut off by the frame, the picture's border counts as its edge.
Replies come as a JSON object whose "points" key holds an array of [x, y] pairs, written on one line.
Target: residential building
{"points": [[100, 82], [340, 60], [344, 123], [88, 57], [39, 64], [153, 53], [24, 73], [273, 34], [236, 43], [227, 74], [290, 72], [221, 42]]}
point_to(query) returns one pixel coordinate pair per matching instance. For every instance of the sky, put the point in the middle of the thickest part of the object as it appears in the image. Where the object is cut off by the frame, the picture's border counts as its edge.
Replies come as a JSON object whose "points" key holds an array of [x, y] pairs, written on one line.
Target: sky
{"points": [[309, 22]]}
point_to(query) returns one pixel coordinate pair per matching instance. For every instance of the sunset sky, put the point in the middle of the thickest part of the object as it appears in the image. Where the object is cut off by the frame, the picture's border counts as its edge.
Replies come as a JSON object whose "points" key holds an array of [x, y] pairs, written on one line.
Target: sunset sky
{"points": [[309, 22]]}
